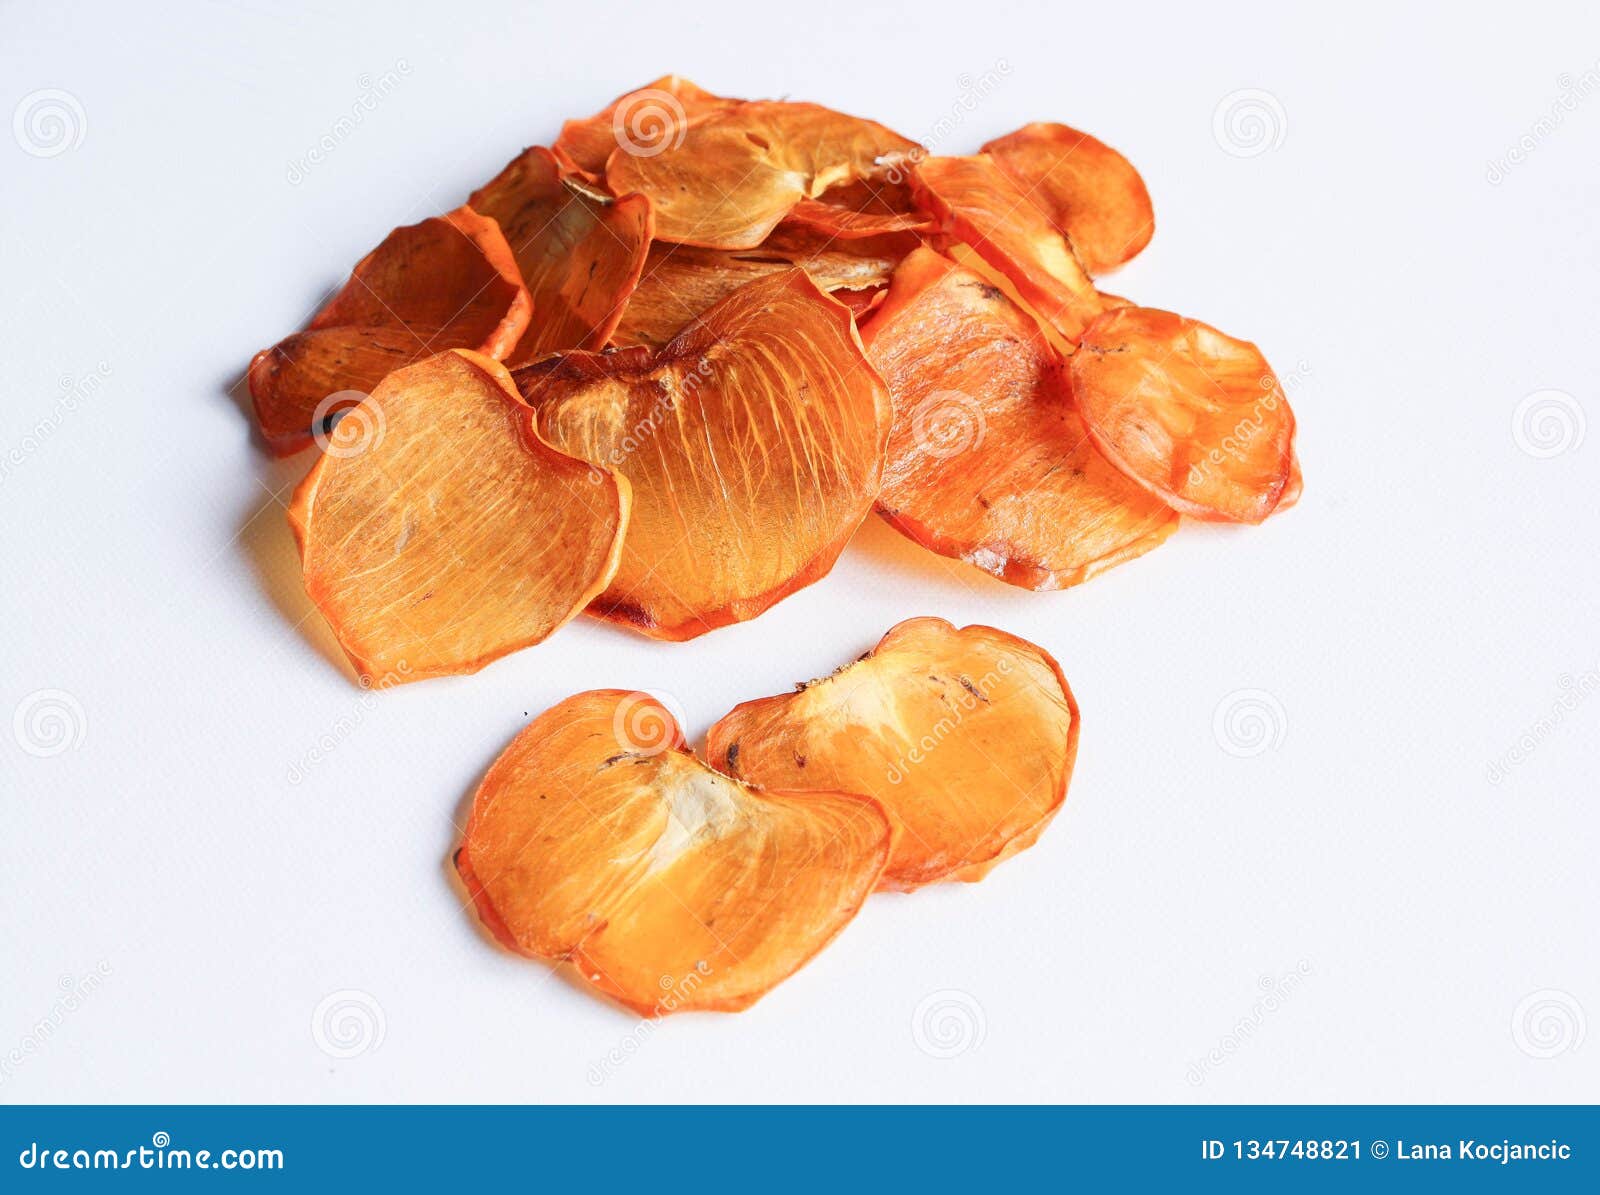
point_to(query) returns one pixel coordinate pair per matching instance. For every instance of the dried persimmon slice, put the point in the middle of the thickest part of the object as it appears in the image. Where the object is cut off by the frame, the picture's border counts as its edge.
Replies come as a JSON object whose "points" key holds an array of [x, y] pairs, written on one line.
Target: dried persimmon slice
{"points": [[597, 837], [979, 205], [649, 116], [580, 251], [437, 533], [989, 461], [862, 208], [754, 442], [1196, 417], [966, 736], [736, 172], [1292, 488], [1090, 191], [448, 282]]}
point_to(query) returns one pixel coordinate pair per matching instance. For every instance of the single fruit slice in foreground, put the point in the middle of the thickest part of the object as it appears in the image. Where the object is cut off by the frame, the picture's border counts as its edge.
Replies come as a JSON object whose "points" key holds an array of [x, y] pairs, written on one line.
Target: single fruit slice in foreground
{"points": [[754, 442], [1196, 417], [981, 206], [989, 461], [648, 118], [598, 837], [580, 251], [733, 174], [1087, 189], [437, 533], [448, 282], [966, 736]]}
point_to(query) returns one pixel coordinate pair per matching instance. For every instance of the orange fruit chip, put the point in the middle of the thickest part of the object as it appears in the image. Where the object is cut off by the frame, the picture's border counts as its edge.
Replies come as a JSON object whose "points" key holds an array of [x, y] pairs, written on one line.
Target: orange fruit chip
{"points": [[1196, 417], [597, 837], [650, 116], [682, 281], [448, 282], [437, 533], [862, 209], [734, 173], [1089, 191], [580, 251], [754, 442], [981, 206], [1292, 489], [989, 461], [966, 736]]}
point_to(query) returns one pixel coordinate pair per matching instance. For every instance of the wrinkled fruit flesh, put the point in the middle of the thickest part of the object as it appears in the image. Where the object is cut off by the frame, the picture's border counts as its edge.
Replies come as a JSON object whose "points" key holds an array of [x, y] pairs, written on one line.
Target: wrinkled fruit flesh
{"points": [[754, 443], [980, 206], [448, 282], [597, 837], [989, 461], [1196, 417], [580, 252], [650, 116], [1088, 190], [733, 174], [437, 533], [967, 737], [862, 209]]}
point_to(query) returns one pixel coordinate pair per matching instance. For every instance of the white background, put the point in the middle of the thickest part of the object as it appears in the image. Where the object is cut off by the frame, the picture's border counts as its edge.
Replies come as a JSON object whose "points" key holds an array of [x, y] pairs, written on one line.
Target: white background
{"points": [[1432, 599]]}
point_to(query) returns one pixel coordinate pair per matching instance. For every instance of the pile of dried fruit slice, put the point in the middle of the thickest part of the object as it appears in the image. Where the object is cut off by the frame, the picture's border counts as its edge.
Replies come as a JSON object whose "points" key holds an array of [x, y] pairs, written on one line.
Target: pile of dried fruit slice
{"points": [[764, 319], [599, 838]]}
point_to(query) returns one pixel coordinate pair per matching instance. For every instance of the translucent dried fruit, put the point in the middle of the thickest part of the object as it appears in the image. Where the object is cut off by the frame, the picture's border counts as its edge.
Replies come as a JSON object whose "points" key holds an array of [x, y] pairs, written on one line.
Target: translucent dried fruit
{"points": [[979, 205], [681, 281], [1196, 417], [735, 172], [989, 461], [580, 251], [1291, 491], [448, 282], [754, 442], [437, 533], [597, 837], [966, 736], [862, 209], [652, 115], [1087, 189]]}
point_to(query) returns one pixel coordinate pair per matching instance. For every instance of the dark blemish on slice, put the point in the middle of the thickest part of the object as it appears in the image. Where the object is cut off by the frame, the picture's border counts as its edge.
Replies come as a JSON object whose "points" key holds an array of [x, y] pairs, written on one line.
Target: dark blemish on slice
{"points": [[973, 689], [733, 758], [799, 760]]}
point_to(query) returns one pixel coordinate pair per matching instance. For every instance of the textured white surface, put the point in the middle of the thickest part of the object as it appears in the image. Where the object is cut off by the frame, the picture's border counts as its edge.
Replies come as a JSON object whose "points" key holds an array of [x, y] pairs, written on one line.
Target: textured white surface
{"points": [[246, 845]]}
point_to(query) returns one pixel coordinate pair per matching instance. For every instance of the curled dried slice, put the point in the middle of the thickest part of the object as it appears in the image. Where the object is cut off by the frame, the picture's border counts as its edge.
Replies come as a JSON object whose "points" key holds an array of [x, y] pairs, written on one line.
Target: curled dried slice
{"points": [[437, 533], [448, 282], [1196, 417], [989, 461], [862, 208], [580, 251], [966, 736], [1087, 189], [734, 173], [980, 206], [598, 837], [1292, 489], [652, 116], [682, 281]]}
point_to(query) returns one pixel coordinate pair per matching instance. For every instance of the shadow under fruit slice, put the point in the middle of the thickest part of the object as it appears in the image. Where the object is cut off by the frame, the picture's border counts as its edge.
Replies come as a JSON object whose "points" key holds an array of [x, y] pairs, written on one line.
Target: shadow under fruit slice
{"points": [[1087, 189], [579, 251], [649, 116], [967, 737], [1196, 417], [437, 533], [448, 282], [754, 443], [989, 461], [597, 837], [979, 205], [734, 173]]}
